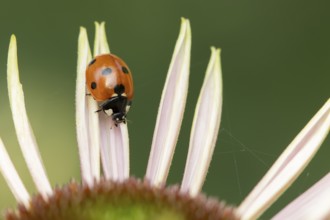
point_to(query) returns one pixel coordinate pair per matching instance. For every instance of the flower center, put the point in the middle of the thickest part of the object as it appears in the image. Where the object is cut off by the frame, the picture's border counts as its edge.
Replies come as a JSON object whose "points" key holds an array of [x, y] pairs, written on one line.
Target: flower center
{"points": [[132, 199]]}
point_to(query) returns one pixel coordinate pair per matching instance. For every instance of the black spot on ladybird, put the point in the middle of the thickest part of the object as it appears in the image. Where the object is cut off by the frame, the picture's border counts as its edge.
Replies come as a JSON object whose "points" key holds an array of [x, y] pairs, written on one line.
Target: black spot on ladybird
{"points": [[91, 63], [125, 70], [119, 89], [106, 71], [93, 85]]}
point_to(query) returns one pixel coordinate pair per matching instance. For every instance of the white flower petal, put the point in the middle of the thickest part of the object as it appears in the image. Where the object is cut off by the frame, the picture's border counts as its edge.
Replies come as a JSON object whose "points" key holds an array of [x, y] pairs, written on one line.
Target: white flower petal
{"points": [[109, 171], [288, 166], [103, 39], [84, 56], [120, 153], [312, 204], [93, 125], [101, 45], [114, 139], [114, 149], [105, 122], [171, 109], [23, 128], [205, 127], [94, 136], [97, 49], [12, 178], [123, 153]]}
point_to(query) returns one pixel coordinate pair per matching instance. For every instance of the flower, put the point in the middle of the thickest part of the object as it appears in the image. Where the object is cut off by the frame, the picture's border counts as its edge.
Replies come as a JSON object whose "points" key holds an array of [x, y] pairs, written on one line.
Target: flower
{"points": [[100, 142]]}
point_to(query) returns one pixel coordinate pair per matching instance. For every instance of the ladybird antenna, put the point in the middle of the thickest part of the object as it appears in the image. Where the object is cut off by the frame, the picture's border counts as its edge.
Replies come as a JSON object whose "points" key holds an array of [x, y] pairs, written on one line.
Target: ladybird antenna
{"points": [[130, 121]]}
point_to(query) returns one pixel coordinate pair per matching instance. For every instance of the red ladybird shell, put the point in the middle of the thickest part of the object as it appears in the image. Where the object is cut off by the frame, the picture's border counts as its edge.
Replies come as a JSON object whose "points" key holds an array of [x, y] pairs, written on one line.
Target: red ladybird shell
{"points": [[104, 73]]}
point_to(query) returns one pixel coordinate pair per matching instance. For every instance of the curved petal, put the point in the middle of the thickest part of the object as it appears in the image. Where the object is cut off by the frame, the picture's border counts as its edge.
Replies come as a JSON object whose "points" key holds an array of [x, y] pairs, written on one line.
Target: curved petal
{"points": [[171, 108], [12, 178], [205, 127], [312, 204], [23, 128], [82, 122], [288, 166]]}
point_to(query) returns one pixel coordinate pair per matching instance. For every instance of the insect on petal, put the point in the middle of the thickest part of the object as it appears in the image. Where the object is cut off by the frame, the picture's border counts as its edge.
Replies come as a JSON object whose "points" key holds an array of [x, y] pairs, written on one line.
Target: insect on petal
{"points": [[114, 139]]}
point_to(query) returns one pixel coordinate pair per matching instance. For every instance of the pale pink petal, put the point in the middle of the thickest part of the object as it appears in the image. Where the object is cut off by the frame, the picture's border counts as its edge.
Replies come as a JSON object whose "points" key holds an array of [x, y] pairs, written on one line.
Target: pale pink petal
{"points": [[82, 121], [12, 178], [101, 45], [205, 127], [23, 128], [109, 170], [312, 204], [288, 166], [171, 108], [94, 136]]}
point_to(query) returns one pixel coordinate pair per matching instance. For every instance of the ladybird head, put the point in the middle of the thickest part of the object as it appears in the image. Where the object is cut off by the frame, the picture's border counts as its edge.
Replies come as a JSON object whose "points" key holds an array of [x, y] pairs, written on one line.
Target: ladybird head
{"points": [[119, 117]]}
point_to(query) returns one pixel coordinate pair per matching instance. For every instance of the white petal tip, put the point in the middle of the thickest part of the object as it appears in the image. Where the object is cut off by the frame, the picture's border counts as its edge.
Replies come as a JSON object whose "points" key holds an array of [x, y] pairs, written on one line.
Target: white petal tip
{"points": [[12, 40]]}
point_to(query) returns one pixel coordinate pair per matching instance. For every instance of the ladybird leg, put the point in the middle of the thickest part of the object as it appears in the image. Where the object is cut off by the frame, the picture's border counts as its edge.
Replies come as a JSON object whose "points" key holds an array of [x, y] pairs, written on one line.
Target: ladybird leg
{"points": [[99, 110], [102, 108], [89, 94]]}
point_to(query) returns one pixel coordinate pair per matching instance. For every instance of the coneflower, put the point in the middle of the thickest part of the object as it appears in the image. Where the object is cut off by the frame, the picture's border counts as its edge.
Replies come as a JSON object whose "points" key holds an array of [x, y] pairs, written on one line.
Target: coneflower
{"points": [[110, 192]]}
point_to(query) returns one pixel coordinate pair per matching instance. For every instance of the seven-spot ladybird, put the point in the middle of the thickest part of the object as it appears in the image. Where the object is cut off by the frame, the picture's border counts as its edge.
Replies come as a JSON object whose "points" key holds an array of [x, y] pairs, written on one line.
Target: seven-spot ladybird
{"points": [[109, 81]]}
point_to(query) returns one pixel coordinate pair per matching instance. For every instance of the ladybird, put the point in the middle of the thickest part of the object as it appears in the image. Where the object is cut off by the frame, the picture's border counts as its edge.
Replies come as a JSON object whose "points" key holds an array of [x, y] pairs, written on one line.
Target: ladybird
{"points": [[109, 81]]}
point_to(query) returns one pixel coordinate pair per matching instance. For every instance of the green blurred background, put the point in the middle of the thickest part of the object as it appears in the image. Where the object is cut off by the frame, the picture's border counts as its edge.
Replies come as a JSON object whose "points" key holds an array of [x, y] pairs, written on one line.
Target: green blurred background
{"points": [[276, 63]]}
